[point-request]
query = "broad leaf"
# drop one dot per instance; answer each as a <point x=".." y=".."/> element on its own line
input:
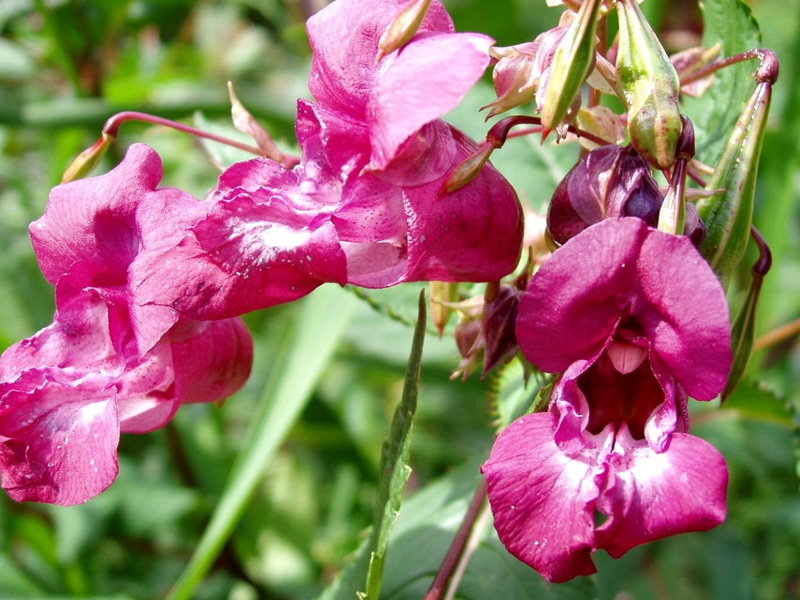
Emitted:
<point x="731" y="23"/>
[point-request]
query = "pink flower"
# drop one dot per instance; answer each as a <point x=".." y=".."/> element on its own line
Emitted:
<point x="107" y="364"/>
<point x="363" y="205"/>
<point x="632" y="319"/>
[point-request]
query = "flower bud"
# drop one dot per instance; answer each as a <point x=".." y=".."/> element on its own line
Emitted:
<point x="672" y="217"/>
<point x="522" y="70"/>
<point x="87" y="160"/>
<point x="443" y="294"/>
<point x="498" y="324"/>
<point x="515" y="79"/>
<point x="470" y="343"/>
<point x="612" y="181"/>
<point x="650" y="87"/>
<point x="467" y="170"/>
<point x="402" y="28"/>
<point x="572" y="62"/>
<point x="743" y="331"/>
<point x="728" y="214"/>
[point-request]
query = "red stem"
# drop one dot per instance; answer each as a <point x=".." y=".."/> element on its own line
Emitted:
<point x="112" y="126"/>
<point x="501" y="130"/>
<point x="767" y="72"/>
<point x="445" y="573"/>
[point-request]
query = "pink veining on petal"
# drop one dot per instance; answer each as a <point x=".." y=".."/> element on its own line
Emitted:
<point x="428" y="78"/>
<point x="344" y="37"/>
<point x="653" y="494"/>
<point x="61" y="438"/>
<point x="542" y="500"/>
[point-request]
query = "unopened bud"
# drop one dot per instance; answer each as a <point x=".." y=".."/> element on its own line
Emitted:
<point x="650" y="87"/>
<point x="572" y="62"/>
<point x="515" y="78"/>
<point x="402" y="28"/>
<point x="467" y="170"/>
<point x="471" y="343"/>
<point x="672" y="217"/>
<point x="87" y="160"/>
<point x="443" y="295"/>
<point x="728" y="214"/>
<point x="611" y="181"/>
<point x="499" y="327"/>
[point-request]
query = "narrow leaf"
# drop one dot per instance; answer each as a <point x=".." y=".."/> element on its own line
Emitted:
<point x="321" y="324"/>
<point x="394" y="462"/>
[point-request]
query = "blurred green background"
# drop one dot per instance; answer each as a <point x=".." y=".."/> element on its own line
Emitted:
<point x="66" y="66"/>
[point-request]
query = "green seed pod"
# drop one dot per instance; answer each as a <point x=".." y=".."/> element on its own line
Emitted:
<point x="743" y="332"/>
<point x="728" y="214"/>
<point x="572" y="62"/>
<point x="650" y="86"/>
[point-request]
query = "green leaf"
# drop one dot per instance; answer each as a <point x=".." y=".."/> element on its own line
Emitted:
<point x="14" y="580"/>
<point x="753" y="400"/>
<point x="394" y="467"/>
<point x="512" y="396"/>
<point x="731" y="23"/>
<point x="322" y="322"/>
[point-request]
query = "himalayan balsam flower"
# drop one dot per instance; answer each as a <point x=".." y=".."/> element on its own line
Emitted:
<point x="633" y="319"/>
<point x="106" y="365"/>
<point x="363" y="205"/>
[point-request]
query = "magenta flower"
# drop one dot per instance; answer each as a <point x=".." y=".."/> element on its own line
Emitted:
<point x="363" y="205"/>
<point x="633" y="319"/>
<point x="107" y="364"/>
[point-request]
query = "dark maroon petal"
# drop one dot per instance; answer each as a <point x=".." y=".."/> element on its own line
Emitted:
<point x="653" y="494"/>
<point x="542" y="500"/>
<point x="574" y="303"/>
<point x="683" y="311"/>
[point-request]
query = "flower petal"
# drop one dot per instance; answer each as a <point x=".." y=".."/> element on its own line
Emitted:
<point x="685" y="314"/>
<point x="653" y="494"/>
<point x="59" y="437"/>
<point x="472" y="234"/>
<point x="344" y="37"/>
<point x="542" y="500"/>
<point x="428" y="78"/>
<point x="213" y="364"/>
<point x="94" y="219"/>
<point x="574" y="302"/>
<point x="628" y="269"/>
<point x="251" y="251"/>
